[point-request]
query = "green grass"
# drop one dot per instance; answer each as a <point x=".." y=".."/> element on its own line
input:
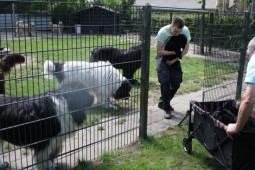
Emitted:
<point x="28" y="79"/>
<point x="79" y="48"/>
<point x="163" y="152"/>
<point x="64" y="49"/>
<point x="100" y="128"/>
<point x="121" y="121"/>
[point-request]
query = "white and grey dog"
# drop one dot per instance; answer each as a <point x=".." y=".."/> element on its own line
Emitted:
<point x="43" y="121"/>
<point x="57" y="28"/>
<point x="25" y="28"/>
<point x="100" y="77"/>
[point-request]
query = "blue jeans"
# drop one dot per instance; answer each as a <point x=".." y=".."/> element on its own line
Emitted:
<point x="170" y="79"/>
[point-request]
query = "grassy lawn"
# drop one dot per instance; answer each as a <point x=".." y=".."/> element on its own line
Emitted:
<point x="162" y="152"/>
<point x="28" y="79"/>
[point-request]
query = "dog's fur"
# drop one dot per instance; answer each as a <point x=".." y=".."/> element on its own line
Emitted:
<point x="100" y="77"/>
<point x="129" y="60"/>
<point x="6" y="64"/>
<point x="57" y="28"/>
<point x="177" y="44"/>
<point x="41" y="122"/>
<point x="229" y="115"/>
<point x="4" y="51"/>
<point x="25" y="28"/>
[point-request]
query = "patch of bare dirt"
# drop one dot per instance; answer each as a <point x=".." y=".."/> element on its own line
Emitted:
<point x="171" y="132"/>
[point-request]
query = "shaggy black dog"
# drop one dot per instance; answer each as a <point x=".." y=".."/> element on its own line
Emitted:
<point x="129" y="60"/>
<point x="226" y="116"/>
<point x="229" y="115"/>
<point x="177" y="44"/>
<point x="6" y="64"/>
<point x="4" y="51"/>
<point x="42" y="122"/>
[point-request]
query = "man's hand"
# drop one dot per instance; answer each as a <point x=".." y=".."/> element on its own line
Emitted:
<point x="231" y="130"/>
<point x="170" y="62"/>
<point x="179" y="53"/>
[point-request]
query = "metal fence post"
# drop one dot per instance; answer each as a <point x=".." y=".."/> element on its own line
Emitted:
<point x="244" y="42"/>
<point x="202" y="36"/>
<point x="210" y="31"/>
<point x="146" y="34"/>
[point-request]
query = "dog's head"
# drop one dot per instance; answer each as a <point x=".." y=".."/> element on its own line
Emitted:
<point x="60" y="23"/>
<point x="78" y="99"/>
<point x="123" y="92"/>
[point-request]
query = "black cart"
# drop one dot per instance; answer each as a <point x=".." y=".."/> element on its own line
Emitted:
<point x="235" y="154"/>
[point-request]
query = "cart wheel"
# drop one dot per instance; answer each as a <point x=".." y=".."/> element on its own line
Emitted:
<point x="187" y="145"/>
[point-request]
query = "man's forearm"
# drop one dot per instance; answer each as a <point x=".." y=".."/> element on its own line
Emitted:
<point x="245" y="110"/>
<point x="164" y="53"/>
<point x="170" y="62"/>
<point x="246" y="106"/>
<point x="186" y="49"/>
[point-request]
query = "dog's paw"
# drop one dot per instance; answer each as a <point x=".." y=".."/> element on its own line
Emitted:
<point x="3" y="164"/>
<point x="52" y="166"/>
<point x="110" y="106"/>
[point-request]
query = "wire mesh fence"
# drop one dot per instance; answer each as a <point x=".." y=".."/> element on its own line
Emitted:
<point x="72" y="67"/>
<point x="225" y="56"/>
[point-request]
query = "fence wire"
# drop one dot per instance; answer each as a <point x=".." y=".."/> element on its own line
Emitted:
<point x="223" y="61"/>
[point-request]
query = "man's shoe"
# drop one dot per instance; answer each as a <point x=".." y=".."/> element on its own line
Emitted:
<point x="168" y="115"/>
<point x="160" y="105"/>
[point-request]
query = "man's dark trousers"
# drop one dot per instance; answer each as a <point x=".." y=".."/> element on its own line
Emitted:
<point x="170" y="78"/>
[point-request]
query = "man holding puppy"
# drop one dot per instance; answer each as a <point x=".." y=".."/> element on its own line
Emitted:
<point x="172" y="44"/>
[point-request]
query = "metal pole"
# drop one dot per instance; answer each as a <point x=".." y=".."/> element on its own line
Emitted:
<point x="223" y="6"/>
<point x="252" y="5"/>
<point x="244" y="42"/>
<point x="210" y="31"/>
<point x="145" y="69"/>
<point x="202" y="34"/>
